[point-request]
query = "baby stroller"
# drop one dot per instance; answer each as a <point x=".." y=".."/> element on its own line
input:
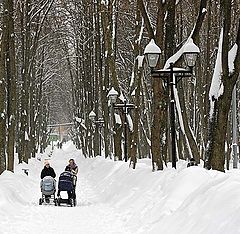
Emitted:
<point x="66" y="183"/>
<point x="48" y="189"/>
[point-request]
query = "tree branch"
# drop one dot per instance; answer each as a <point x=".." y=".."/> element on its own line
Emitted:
<point x="146" y="20"/>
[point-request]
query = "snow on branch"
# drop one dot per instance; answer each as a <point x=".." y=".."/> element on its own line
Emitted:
<point x="130" y="122"/>
<point x="216" y="88"/>
<point x="81" y="122"/>
<point x="216" y="80"/>
<point x="231" y="58"/>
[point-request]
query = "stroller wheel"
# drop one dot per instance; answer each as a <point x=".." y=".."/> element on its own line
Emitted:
<point x="71" y="202"/>
<point x="74" y="202"/>
<point x="47" y="200"/>
<point x="58" y="201"/>
<point x="40" y="201"/>
<point x="55" y="202"/>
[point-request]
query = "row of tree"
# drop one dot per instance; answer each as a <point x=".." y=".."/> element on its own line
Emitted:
<point x="59" y="59"/>
<point x="23" y="100"/>
<point x="119" y="31"/>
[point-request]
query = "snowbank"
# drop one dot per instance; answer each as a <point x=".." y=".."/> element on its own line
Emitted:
<point x="187" y="200"/>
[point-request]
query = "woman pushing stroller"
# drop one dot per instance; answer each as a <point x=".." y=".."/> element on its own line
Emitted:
<point x="73" y="168"/>
<point x="47" y="170"/>
<point x="48" y="183"/>
<point x="67" y="182"/>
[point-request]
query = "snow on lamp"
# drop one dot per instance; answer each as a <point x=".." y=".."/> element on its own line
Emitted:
<point x="190" y="53"/>
<point x="152" y="53"/>
<point x="92" y="115"/>
<point x="112" y="95"/>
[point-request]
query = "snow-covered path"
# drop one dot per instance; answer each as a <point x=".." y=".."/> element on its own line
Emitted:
<point x="115" y="199"/>
<point x="89" y="216"/>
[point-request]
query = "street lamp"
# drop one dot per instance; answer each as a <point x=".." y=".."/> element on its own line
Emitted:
<point x="125" y="107"/>
<point x="190" y="52"/>
<point x="92" y="116"/>
<point x="99" y="123"/>
<point x="152" y="53"/>
<point x="112" y="96"/>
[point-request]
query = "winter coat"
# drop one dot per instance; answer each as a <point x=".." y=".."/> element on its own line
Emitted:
<point x="48" y="172"/>
<point x="73" y="169"/>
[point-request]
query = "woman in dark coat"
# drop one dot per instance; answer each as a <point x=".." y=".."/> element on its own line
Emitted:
<point x="72" y="167"/>
<point x="47" y="170"/>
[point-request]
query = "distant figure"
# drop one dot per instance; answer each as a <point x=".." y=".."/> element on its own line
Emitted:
<point x="192" y="162"/>
<point x="60" y="145"/>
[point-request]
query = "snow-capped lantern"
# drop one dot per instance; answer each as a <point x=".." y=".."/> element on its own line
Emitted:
<point x="152" y="53"/>
<point x="112" y="95"/>
<point x="190" y="53"/>
<point x="92" y="115"/>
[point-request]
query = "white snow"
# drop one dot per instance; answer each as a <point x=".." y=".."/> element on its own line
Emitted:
<point x="115" y="199"/>
<point x="188" y="46"/>
<point x="231" y="58"/>
<point x="121" y="97"/>
<point x="2" y="115"/>
<point x="140" y="59"/>
<point x="179" y="115"/>
<point x="26" y="136"/>
<point x="130" y="122"/>
<point x="216" y="88"/>
<point x="117" y="119"/>
<point x="81" y="121"/>
<point x="132" y="79"/>
<point x="152" y="48"/>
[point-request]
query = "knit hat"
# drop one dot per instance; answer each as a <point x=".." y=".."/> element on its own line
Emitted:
<point x="46" y="162"/>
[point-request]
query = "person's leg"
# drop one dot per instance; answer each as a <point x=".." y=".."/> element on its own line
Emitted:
<point x="47" y="198"/>
<point x="74" y="180"/>
<point x="69" y="194"/>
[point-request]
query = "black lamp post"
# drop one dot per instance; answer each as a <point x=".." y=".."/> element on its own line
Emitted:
<point x="190" y="52"/>
<point x="125" y="108"/>
<point x="99" y="123"/>
<point x="112" y="96"/>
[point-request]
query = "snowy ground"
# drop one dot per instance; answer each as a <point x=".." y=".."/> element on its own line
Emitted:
<point x="113" y="198"/>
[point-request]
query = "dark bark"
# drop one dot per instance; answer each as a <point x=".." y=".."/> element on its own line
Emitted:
<point x="3" y="99"/>
<point x="216" y="151"/>
<point x="11" y="77"/>
<point x="107" y="24"/>
<point x="200" y="19"/>
<point x="146" y="19"/>
<point x="189" y="134"/>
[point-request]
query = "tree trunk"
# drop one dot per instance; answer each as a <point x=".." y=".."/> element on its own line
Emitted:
<point x="189" y="132"/>
<point x="3" y="80"/>
<point x="11" y="87"/>
<point x="222" y="105"/>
